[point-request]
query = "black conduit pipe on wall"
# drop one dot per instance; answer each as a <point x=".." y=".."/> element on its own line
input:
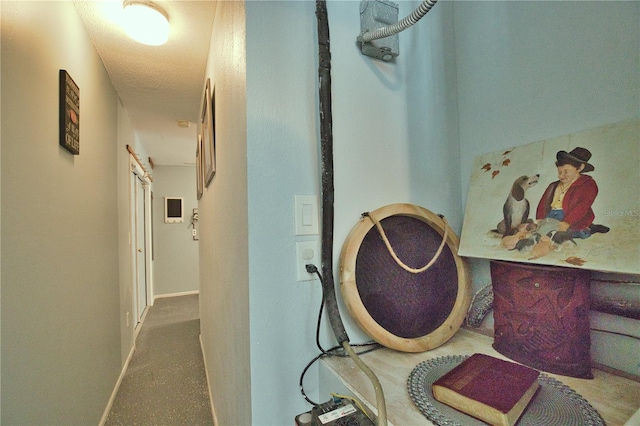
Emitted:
<point x="326" y="151"/>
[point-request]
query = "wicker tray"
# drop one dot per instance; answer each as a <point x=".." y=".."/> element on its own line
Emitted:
<point x="554" y="404"/>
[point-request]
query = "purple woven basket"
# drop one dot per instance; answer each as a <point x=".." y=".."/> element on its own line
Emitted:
<point x="406" y="311"/>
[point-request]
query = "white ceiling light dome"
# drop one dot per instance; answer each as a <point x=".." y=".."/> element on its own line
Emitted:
<point x="146" y="22"/>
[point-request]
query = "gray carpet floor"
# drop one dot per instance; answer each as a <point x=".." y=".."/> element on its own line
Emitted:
<point x="165" y="383"/>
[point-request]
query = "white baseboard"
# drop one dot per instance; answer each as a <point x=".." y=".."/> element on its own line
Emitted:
<point x="138" y="327"/>
<point x="206" y="372"/>
<point x="184" y="293"/>
<point x="634" y="420"/>
<point x="107" y="410"/>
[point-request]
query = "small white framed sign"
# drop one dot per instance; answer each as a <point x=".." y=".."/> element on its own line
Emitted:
<point x="173" y="209"/>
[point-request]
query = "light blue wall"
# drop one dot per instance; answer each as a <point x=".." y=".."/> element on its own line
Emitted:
<point x="395" y="140"/>
<point x="282" y="156"/>
<point x="395" y="125"/>
<point x="471" y="78"/>
<point x="175" y="263"/>
<point x="528" y="71"/>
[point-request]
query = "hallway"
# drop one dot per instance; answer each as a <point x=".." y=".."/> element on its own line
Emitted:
<point x="165" y="383"/>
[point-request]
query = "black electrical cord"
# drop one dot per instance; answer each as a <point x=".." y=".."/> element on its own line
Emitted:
<point x="313" y="269"/>
<point x="334" y="351"/>
<point x="327" y="187"/>
<point x="304" y="395"/>
<point x="327" y="181"/>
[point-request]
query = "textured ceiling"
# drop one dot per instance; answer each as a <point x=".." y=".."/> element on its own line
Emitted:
<point x="158" y="85"/>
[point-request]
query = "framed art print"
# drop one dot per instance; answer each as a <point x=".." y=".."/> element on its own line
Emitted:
<point x="208" y="135"/>
<point x="199" y="176"/>
<point x="522" y="208"/>
<point x="69" y="100"/>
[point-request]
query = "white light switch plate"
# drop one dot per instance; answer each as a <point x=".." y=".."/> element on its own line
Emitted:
<point x="306" y="211"/>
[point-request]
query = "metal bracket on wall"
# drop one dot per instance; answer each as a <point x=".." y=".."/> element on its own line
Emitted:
<point x="376" y="14"/>
<point x="194" y="225"/>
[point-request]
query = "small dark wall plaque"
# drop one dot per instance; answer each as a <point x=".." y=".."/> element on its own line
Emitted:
<point x="69" y="113"/>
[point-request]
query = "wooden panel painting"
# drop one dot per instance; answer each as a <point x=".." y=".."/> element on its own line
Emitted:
<point x="571" y="201"/>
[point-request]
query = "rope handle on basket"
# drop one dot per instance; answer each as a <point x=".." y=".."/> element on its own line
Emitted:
<point x="393" y="253"/>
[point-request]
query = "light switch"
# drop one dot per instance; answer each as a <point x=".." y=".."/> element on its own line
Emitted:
<point x="306" y="211"/>
<point x="307" y="214"/>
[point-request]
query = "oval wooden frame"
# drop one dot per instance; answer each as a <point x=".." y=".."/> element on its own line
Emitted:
<point x="354" y="303"/>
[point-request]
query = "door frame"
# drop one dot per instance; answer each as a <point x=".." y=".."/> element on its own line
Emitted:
<point x="137" y="172"/>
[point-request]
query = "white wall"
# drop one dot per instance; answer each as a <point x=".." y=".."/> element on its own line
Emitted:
<point x="175" y="251"/>
<point x="61" y="349"/>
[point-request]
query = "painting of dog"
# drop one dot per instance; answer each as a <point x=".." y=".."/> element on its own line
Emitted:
<point x="515" y="210"/>
<point x="530" y="204"/>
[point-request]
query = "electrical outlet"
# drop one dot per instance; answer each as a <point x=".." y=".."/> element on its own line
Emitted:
<point x="307" y="252"/>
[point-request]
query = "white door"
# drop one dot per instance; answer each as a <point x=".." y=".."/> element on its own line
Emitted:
<point x="140" y="248"/>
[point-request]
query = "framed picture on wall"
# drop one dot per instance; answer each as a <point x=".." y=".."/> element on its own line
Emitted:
<point x="569" y="201"/>
<point x="199" y="174"/>
<point x="69" y="113"/>
<point x="208" y="135"/>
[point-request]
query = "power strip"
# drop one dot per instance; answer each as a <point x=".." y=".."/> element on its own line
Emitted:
<point x="335" y="412"/>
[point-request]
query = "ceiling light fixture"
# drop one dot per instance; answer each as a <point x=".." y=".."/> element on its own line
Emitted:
<point x="145" y="22"/>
